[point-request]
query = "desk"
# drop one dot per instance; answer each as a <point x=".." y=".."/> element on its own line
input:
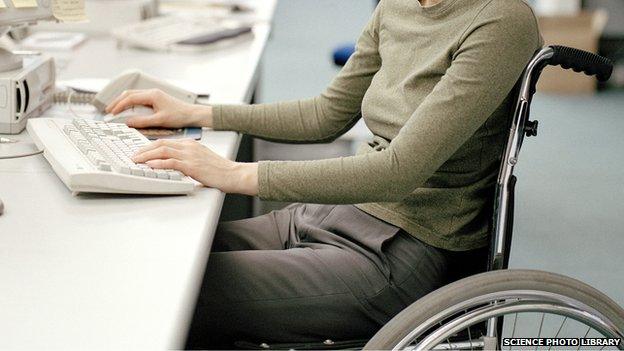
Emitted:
<point x="115" y="272"/>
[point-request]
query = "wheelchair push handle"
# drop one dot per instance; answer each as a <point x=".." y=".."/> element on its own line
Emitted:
<point x="582" y="61"/>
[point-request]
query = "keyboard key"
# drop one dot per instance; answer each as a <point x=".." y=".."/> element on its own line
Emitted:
<point x="136" y="171"/>
<point x="150" y="173"/>
<point x="174" y="175"/>
<point x="161" y="174"/>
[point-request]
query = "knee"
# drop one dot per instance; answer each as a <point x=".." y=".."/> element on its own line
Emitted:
<point x="225" y="237"/>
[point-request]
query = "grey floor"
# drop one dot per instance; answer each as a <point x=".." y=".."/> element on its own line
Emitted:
<point x="570" y="201"/>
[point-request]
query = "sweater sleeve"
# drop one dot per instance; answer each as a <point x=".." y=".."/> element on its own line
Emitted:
<point x="319" y="119"/>
<point x="488" y="61"/>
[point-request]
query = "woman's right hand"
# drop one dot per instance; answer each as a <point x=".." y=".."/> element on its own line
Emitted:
<point x="169" y="112"/>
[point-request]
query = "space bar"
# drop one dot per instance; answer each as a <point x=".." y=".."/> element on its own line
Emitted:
<point x="215" y="36"/>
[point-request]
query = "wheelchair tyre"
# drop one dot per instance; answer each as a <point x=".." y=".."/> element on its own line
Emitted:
<point x="429" y="313"/>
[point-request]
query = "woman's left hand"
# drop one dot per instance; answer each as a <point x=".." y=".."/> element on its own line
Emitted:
<point x="202" y="164"/>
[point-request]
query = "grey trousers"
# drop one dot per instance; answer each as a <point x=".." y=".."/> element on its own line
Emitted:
<point x="308" y="273"/>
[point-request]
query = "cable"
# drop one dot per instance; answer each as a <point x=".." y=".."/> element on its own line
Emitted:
<point x="21" y="155"/>
<point x="69" y="103"/>
<point x="32" y="146"/>
<point x="71" y="96"/>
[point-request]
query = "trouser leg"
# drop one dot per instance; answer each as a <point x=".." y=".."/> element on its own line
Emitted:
<point x="284" y="277"/>
<point x="266" y="232"/>
<point x="278" y="295"/>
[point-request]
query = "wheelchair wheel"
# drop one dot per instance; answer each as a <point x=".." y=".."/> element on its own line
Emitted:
<point x="529" y="304"/>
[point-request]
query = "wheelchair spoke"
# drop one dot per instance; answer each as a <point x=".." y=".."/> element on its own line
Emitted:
<point x="470" y="339"/>
<point x="584" y="336"/>
<point x="513" y="328"/>
<point x="539" y="332"/>
<point x="559" y="331"/>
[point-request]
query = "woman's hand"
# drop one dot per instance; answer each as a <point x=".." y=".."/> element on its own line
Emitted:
<point x="169" y="112"/>
<point x="201" y="164"/>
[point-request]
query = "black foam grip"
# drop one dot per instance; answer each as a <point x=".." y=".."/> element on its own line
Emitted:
<point x="582" y="61"/>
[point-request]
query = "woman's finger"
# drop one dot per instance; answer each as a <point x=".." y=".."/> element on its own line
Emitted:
<point x="170" y="163"/>
<point x="161" y="152"/>
<point x="174" y="144"/>
<point x="115" y="101"/>
<point x="153" y="120"/>
<point x="139" y="98"/>
<point x="119" y="97"/>
<point x="151" y="146"/>
<point x="128" y="100"/>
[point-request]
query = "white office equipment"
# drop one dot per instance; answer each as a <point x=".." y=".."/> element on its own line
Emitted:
<point x="53" y="41"/>
<point x="16" y="14"/>
<point x="25" y="92"/>
<point x="94" y="156"/>
<point x="182" y="33"/>
<point x="26" y="84"/>
<point x="135" y="80"/>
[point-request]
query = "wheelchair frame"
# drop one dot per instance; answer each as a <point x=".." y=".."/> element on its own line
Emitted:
<point x="505" y="186"/>
<point x="521" y="126"/>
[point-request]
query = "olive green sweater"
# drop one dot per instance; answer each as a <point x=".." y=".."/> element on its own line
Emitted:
<point x="433" y="85"/>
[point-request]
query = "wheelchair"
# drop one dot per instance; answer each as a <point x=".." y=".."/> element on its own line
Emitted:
<point x="480" y="311"/>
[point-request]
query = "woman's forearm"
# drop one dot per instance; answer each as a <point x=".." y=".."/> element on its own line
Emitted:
<point x="299" y="121"/>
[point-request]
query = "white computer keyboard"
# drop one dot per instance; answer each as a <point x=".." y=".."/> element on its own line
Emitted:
<point x="178" y="33"/>
<point x="94" y="156"/>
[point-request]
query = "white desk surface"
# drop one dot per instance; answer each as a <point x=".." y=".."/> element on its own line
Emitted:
<point x="104" y="271"/>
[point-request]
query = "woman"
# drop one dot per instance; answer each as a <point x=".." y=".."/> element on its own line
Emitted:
<point x="432" y="80"/>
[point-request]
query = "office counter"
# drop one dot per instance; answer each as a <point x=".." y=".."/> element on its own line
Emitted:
<point x="114" y="271"/>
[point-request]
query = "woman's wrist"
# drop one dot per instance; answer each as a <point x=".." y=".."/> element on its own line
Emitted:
<point x="246" y="176"/>
<point x="201" y="116"/>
